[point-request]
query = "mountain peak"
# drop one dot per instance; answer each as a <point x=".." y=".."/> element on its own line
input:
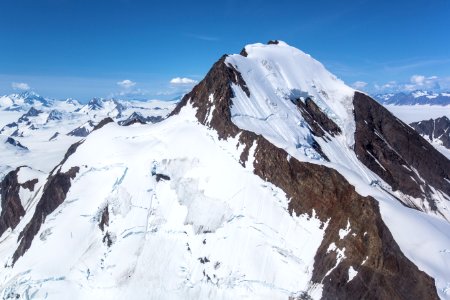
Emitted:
<point x="280" y="72"/>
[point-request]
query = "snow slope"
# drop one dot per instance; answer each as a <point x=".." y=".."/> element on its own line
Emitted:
<point x="274" y="74"/>
<point x="277" y="74"/>
<point x="214" y="230"/>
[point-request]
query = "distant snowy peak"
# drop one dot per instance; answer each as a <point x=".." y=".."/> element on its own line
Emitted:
<point x="137" y="117"/>
<point x="107" y="106"/>
<point x="83" y="130"/>
<point x="415" y="97"/>
<point x="13" y="142"/>
<point x="72" y="102"/>
<point x="436" y="131"/>
<point x="23" y="101"/>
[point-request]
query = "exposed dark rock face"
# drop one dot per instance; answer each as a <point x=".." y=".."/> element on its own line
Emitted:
<point x="32" y="112"/>
<point x="83" y="130"/>
<point x="139" y="118"/>
<point x="72" y="149"/>
<point x="12" y="209"/>
<point x="104" y="220"/>
<point x="15" y="143"/>
<point x="17" y="133"/>
<point x="30" y="184"/>
<point x="103" y="123"/>
<point x="437" y="129"/>
<point x="397" y="149"/>
<point x="53" y="137"/>
<point x="95" y="104"/>
<point x="160" y="177"/>
<point x="54" y="115"/>
<point x="54" y="193"/>
<point x="107" y="239"/>
<point x="317" y="120"/>
<point x="217" y="82"/>
<point x="243" y="52"/>
<point x="273" y="42"/>
<point x="387" y="273"/>
<point x="9" y="125"/>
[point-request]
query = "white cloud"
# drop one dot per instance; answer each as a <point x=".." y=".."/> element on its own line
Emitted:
<point x="416" y="82"/>
<point x="359" y="85"/>
<point x="387" y="87"/>
<point x="423" y="82"/>
<point x="417" y="79"/>
<point x="390" y="85"/>
<point x="183" y="81"/>
<point x="20" y="86"/>
<point x="126" y="83"/>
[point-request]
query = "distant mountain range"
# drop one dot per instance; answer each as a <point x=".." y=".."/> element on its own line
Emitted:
<point x="415" y="97"/>
<point x="33" y="126"/>
<point x="436" y="131"/>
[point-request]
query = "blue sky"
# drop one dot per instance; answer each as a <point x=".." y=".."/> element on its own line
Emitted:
<point x="87" y="48"/>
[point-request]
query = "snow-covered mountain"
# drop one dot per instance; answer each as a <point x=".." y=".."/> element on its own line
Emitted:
<point x="24" y="101"/>
<point x="415" y="97"/>
<point x="436" y="131"/>
<point x="271" y="179"/>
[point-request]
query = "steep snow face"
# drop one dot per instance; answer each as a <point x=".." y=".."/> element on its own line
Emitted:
<point x="275" y="75"/>
<point x="184" y="223"/>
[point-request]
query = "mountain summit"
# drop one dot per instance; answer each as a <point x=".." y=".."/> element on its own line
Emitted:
<point x="270" y="179"/>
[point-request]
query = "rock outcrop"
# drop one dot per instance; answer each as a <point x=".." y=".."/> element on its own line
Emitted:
<point x="435" y="130"/>
<point x="383" y="270"/>
<point x="54" y="193"/>
<point x="397" y="153"/>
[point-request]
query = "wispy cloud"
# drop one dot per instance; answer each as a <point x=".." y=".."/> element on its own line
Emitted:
<point x="20" y="86"/>
<point x="359" y="85"/>
<point x="133" y="94"/>
<point x="202" y="37"/>
<point x="416" y="82"/>
<point x="398" y="66"/>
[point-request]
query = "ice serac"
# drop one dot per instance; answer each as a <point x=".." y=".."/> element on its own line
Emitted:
<point x="400" y="156"/>
<point x="265" y="114"/>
